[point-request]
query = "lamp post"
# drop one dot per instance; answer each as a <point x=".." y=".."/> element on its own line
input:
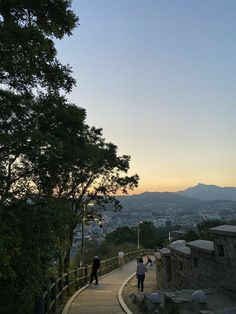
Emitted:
<point x="85" y="205"/>
<point x="88" y="217"/>
<point x="138" y="232"/>
<point x="82" y="237"/>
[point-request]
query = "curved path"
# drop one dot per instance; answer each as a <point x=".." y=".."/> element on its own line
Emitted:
<point x="104" y="297"/>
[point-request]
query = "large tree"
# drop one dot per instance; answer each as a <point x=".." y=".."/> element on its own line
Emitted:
<point x="31" y="250"/>
<point x="31" y="77"/>
<point x="91" y="171"/>
<point x="30" y="73"/>
<point x="48" y="155"/>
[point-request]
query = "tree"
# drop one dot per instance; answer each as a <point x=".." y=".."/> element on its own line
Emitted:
<point x="27" y="51"/>
<point x="203" y="227"/>
<point x="63" y="158"/>
<point x="122" y="235"/>
<point x="31" y="249"/>
<point x="95" y="176"/>
<point x="29" y="68"/>
<point x="104" y="250"/>
<point x="29" y="74"/>
<point x="148" y="235"/>
<point x="48" y="155"/>
<point x="191" y="235"/>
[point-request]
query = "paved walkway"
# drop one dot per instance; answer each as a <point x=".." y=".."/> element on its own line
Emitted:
<point x="103" y="298"/>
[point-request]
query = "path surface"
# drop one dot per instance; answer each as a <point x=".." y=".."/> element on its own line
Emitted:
<point x="103" y="298"/>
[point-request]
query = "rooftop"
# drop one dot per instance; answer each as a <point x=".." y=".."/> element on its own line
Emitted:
<point x="203" y="245"/>
<point x="180" y="247"/>
<point x="224" y="229"/>
<point x="164" y="251"/>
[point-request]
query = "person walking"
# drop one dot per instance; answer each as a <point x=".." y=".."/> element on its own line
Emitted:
<point x="149" y="262"/>
<point x="140" y="273"/>
<point x="121" y="258"/>
<point x="95" y="267"/>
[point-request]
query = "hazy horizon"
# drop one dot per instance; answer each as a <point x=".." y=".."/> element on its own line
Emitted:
<point x="177" y="189"/>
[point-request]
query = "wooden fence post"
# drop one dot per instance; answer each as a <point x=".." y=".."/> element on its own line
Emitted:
<point x="76" y="278"/>
<point x="48" y="301"/>
<point x="86" y="274"/>
<point x="60" y="283"/>
<point x="68" y="283"/>
<point x="55" y="298"/>
<point x="39" y="305"/>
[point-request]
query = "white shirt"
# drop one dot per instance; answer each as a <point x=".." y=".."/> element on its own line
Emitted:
<point x="121" y="254"/>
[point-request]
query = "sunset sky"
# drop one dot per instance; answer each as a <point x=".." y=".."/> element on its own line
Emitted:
<point x="159" y="76"/>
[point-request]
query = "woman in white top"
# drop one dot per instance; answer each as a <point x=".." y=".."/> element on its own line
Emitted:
<point x="140" y="273"/>
<point x="121" y="258"/>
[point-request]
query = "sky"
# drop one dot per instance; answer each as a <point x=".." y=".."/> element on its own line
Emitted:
<point x="159" y="76"/>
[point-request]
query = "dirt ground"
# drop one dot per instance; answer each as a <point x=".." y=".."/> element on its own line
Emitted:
<point x="149" y="286"/>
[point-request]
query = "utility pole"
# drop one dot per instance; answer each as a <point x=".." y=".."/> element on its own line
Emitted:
<point x="138" y="231"/>
<point x="82" y="237"/>
<point x="85" y="206"/>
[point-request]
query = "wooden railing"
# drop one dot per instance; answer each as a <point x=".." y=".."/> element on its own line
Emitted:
<point x="76" y="278"/>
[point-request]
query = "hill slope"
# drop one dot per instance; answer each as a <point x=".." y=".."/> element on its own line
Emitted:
<point x="210" y="192"/>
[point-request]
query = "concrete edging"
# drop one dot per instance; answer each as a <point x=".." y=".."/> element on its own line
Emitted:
<point x="68" y="303"/>
<point x="120" y="298"/>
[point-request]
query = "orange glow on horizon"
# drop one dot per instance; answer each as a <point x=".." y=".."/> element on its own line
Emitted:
<point x="173" y="188"/>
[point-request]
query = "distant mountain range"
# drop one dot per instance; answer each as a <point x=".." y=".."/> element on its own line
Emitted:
<point x="157" y="197"/>
<point x="210" y="192"/>
<point x="191" y="199"/>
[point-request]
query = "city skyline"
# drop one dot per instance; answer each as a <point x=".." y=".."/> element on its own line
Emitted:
<point x="158" y="77"/>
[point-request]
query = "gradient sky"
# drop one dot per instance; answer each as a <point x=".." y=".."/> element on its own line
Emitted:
<point x="159" y="76"/>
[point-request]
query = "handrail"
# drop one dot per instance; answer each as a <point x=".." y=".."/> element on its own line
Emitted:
<point x="78" y="277"/>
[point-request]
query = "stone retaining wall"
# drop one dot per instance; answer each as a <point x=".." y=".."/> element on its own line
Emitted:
<point x="200" y="264"/>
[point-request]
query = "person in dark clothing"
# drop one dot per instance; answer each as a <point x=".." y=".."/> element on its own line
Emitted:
<point x="149" y="262"/>
<point x="140" y="273"/>
<point x="95" y="267"/>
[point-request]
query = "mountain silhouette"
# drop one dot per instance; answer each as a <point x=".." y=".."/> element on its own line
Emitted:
<point x="210" y="192"/>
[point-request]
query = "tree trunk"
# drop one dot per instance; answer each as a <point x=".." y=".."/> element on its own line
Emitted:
<point x="67" y="260"/>
<point x="61" y="264"/>
<point x="67" y="253"/>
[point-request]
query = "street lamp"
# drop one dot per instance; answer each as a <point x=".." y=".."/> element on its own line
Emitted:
<point x="82" y="238"/>
<point x="88" y="218"/>
<point x="85" y="205"/>
<point x="138" y="231"/>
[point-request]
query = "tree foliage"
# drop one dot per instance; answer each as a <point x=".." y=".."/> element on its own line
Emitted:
<point x="121" y="235"/>
<point x="27" y="51"/>
<point x="150" y="237"/>
<point x="204" y="226"/>
<point x="31" y="251"/>
<point x="191" y="235"/>
<point x="51" y="162"/>
<point x="103" y="250"/>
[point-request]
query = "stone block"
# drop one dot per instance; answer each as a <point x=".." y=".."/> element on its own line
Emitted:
<point x="151" y="306"/>
<point x="147" y="295"/>
<point x="168" y="296"/>
<point x="155" y="298"/>
<point x="199" y="296"/>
